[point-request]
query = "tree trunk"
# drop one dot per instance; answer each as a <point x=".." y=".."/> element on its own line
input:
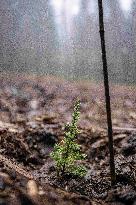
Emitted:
<point x="107" y="95"/>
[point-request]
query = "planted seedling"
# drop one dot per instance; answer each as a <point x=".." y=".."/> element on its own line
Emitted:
<point x="67" y="153"/>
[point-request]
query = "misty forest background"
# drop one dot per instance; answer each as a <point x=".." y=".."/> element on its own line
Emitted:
<point x="61" y="38"/>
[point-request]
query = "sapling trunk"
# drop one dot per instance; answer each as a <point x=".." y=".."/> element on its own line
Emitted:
<point x="107" y="95"/>
<point x="65" y="157"/>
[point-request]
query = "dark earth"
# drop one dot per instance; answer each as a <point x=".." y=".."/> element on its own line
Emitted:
<point x="33" y="113"/>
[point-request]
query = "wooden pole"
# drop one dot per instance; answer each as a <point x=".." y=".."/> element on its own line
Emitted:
<point x="107" y="95"/>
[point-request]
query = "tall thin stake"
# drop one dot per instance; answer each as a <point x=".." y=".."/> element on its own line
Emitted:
<point x="107" y="95"/>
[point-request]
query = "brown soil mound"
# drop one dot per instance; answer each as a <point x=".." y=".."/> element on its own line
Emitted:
<point x="33" y="113"/>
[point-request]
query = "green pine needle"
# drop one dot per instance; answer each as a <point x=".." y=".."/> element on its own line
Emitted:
<point x="67" y="153"/>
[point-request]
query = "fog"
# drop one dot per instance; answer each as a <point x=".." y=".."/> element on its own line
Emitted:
<point x="61" y="37"/>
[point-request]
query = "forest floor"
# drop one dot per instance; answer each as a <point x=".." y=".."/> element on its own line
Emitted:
<point x="33" y="112"/>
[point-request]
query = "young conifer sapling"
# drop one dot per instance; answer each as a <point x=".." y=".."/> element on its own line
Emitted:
<point x="67" y="153"/>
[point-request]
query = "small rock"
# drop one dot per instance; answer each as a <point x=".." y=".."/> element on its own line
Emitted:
<point x="41" y="192"/>
<point x="32" y="189"/>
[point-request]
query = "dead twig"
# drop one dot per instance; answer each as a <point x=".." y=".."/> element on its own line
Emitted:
<point x="124" y="129"/>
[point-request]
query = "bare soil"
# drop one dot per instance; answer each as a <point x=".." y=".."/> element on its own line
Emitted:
<point x="33" y="113"/>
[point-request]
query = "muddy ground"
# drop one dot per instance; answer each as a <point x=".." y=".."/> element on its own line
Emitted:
<point x="33" y="113"/>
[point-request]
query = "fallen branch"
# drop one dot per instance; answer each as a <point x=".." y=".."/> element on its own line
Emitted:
<point x="128" y="129"/>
